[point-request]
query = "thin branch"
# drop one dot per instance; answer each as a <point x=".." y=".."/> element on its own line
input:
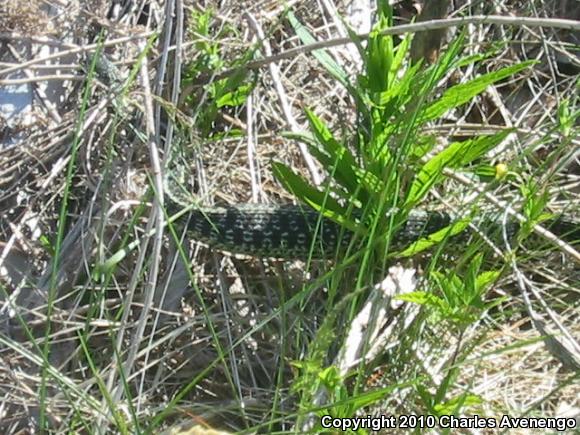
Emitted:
<point x="446" y="23"/>
<point x="74" y="50"/>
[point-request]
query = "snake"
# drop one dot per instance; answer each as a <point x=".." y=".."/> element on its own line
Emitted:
<point x="288" y="231"/>
<point x="298" y="231"/>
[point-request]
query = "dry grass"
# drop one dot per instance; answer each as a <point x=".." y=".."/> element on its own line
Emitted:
<point x="26" y="18"/>
<point x="226" y="332"/>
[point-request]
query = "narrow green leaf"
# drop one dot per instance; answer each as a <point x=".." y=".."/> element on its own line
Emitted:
<point x="339" y="157"/>
<point x="380" y="52"/>
<point x="485" y="172"/>
<point x="434" y="73"/>
<point x="455" y="155"/>
<point x="301" y="188"/>
<point x="309" y="195"/>
<point x="379" y="62"/>
<point x="470" y="294"/>
<point x="430" y="174"/>
<point x="323" y="57"/>
<point x="400" y="92"/>
<point x="400" y="54"/>
<point x="435" y="238"/>
<point x="462" y="93"/>
<point x="475" y="148"/>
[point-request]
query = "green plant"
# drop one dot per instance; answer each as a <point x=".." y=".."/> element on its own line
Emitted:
<point x="228" y="92"/>
<point x="383" y="170"/>
<point x="460" y="298"/>
<point x="390" y="163"/>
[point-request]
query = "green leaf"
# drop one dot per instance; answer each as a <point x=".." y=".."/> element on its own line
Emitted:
<point x="462" y="93"/>
<point x="457" y="154"/>
<point x="475" y="148"/>
<point x="379" y="63"/>
<point x="330" y="377"/>
<point x="380" y="52"/>
<point x="434" y="73"/>
<point x="323" y="57"/>
<point x="319" y="201"/>
<point x="535" y="203"/>
<point x="485" y="279"/>
<point x="422" y="298"/>
<point x="338" y="160"/>
<point x="300" y="188"/>
<point x="471" y="295"/>
<point x="234" y="98"/>
<point x="426" y="397"/>
<point x="485" y="172"/>
<point x="370" y="181"/>
<point x="565" y="118"/>
<point x="435" y="238"/>
<point x="321" y="154"/>
<point x="455" y="405"/>
<point x="400" y="54"/>
<point x="47" y="245"/>
<point x="202" y="21"/>
<point x="430" y="174"/>
<point x="400" y="92"/>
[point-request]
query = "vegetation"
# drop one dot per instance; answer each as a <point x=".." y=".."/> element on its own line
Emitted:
<point x="124" y="325"/>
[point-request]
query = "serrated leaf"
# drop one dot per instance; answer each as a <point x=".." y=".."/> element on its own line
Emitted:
<point x="422" y="298"/>
<point x="485" y="279"/>
<point x="235" y="98"/>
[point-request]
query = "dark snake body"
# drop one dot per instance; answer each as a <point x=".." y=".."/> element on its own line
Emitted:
<point x="291" y="231"/>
